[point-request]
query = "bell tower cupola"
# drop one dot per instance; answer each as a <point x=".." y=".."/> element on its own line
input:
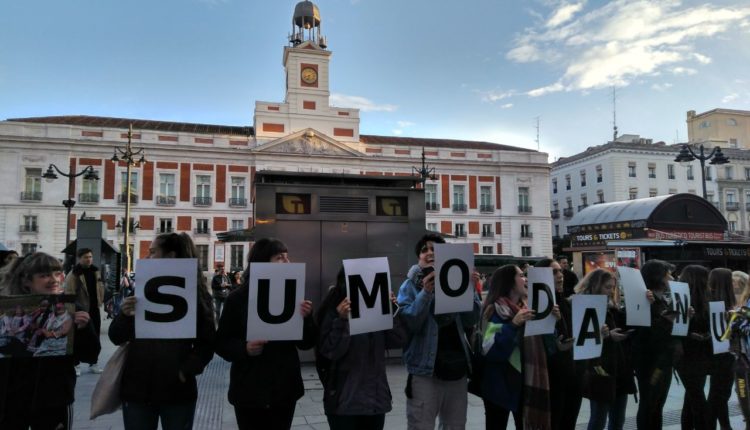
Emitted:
<point x="306" y="25"/>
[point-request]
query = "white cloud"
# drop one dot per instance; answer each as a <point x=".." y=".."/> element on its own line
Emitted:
<point x="361" y="103"/>
<point x="495" y="95"/>
<point x="507" y="106"/>
<point x="661" y="87"/>
<point x="729" y="98"/>
<point x="622" y="41"/>
<point x="404" y="124"/>
<point x="564" y="14"/>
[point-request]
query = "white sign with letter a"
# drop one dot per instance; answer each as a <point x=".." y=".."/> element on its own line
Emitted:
<point x="368" y="287"/>
<point x="275" y="294"/>
<point x="541" y="283"/>
<point x="166" y="298"/>
<point x="589" y="315"/>
<point x="454" y="264"/>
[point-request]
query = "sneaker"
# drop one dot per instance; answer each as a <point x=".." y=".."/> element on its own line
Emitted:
<point x="78" y="370"/>
<point x="94" y="368"/>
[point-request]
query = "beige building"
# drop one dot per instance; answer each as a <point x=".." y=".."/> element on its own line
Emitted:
<point x="727" y="128"/>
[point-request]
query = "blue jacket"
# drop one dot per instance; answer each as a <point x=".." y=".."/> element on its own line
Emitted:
<point x="502" y="380"/>
<point x="417" y="311"/>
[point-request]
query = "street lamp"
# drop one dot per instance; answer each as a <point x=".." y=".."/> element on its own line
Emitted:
<point x="425" y="172"/>
<point x="130" y="158"/>
<point x="687" y="155"/>
<point x="50" y="175"/>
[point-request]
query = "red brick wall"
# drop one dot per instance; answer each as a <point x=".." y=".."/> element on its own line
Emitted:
<point x="184" y="223"/>
<point x="110" y="221"/>
<point x="185" y="183"/>
<point x="498" y="228"/>
<point x="146" y="222"/>
<point x="445" y="185"/>
<point x="148" y="182"/>
<point x="220" y="223"/>
<point x="497" y="192"/>
<point x="472" y="192"/>
<point x="473" y="227"/>
<point x="221" y="183"/>
<point x="143" y="248"/>
<point x="446" y="227"/>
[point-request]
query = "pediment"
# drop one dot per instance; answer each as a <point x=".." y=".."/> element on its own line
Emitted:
<point x="308" y="142"/>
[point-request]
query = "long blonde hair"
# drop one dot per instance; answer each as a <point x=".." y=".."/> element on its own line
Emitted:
<point x="594" y="282"/>
<point x="743" y="281"/>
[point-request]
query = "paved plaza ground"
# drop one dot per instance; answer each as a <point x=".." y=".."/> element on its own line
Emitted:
<point x="214" y="411"/>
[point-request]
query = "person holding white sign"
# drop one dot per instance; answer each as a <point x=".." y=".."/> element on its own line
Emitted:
<point x="158" y="376"/>
<point x="720" y="389"/>
<point x="437" y="355"/>
<point x="352" y="367"/>
<point x="695" y="362"/>
<point x="654" y="346"/>
<point x="601" y="386"/>
<point x="265" y="381"/>
<point x="34" y="393"/>
<point x="504" y="315"/>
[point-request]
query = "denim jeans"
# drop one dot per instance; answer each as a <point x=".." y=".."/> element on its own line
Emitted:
<point x="141" y="416"/>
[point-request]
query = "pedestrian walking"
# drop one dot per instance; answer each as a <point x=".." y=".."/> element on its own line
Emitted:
<point x="220" y="288"/>
<point x="722" y="376"/>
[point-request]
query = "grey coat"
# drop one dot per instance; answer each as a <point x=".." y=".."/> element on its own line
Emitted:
<point x="359" y="383"/>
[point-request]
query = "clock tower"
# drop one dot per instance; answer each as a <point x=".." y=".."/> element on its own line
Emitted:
<point x="306" y="102"/>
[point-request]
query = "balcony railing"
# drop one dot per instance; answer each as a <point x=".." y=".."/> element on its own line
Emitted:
<point x="31" y="196"/>
<point x="555" y="214"/>
<point x="488" y="234"/>
<point x="732" y="206"/>
<point x="747" y="206"/>
<point x="166" y="200"/>
<point x="432" y="206"/>
<point x="28" y="228"/>
<point x="528" y="235"/>
<point x="460" y="233"/>
<point x="522" y="209"/>
<point x="568" y="212"/>
<point x="123" y="197"/>
<point x="652" y="175"/>
<point x="202" y="231"/>
<point x="459" y="207"/>
<point x="202" y="201"/>
<point x="582" y="207"/>
<point x="88" y="198"/>
<point x="486" y="208"/>
<point x="237" y="202"/>
<point x="164" y="230"/>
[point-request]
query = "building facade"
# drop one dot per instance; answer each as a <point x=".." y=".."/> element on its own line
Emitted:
<point x="728" y="128"/>
<point x="628" y="168"/>
<point x="199" y="178"/>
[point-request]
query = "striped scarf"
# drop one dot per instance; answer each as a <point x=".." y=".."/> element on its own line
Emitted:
<point x="536" y="397"/>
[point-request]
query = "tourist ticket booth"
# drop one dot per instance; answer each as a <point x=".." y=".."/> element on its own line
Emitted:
<point x="680" y="228"/>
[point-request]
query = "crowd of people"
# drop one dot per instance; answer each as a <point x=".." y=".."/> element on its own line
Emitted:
<point x="534" y="379"/>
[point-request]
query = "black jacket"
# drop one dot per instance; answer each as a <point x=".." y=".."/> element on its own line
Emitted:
<point x="272" y="378"/>
<point x="33" y="384"/>
<point x="152" y="366"/>
<point x="359" y="384"/>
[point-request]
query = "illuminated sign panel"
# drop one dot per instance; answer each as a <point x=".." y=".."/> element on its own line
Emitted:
<point x="293" y="204"/>
<point x="392" y="206"/>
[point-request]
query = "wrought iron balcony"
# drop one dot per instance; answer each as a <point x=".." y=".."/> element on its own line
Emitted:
<point x="732" y="206"/>
<point x="164" y="230"/>
<point x="202" y="201"/>
<point x="123" y="197"/>
<point x="459" y="207"/>
<point x="486" y="208"/>
<point x="488" y="234"/>
<point x="522" y="209"/>
<point x="31" y="196"/>
<point x="527" y="235"/>
<point x="166" y="200"/>
<point x="568" y="212"/>
<point x="432" y="206"/>
<point x="202" y="231"/>
<point x="555" y="214"/>
<point x="28" y="228"/>
<point x="460" y="233"/>
<point x="237" y="202"/>
<point x="88" y="198"/>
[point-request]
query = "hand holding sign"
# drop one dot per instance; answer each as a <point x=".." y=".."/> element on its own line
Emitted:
<point x="589" y="313"/>
<point x="452" y="287"/>
<point x="637" y="301"/>
<point x="541" y="301"/>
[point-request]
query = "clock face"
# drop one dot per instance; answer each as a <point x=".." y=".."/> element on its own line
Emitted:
<point x="309" y="75"/>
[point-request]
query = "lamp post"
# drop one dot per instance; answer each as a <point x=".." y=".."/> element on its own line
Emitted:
<point x="129" y="157"/>
<point x="50" y="175"/>
<point x="687" y="155"/>
<point x="425" y="172"/>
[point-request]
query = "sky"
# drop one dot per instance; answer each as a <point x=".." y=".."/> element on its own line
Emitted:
<point x="489" y="70"/>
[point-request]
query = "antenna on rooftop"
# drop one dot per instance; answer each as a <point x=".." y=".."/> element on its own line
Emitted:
<point x="614" y="112"/>
<point x="537" y="132"/>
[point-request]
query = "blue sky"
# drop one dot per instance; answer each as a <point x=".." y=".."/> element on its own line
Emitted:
<point x="476" y="69"/>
